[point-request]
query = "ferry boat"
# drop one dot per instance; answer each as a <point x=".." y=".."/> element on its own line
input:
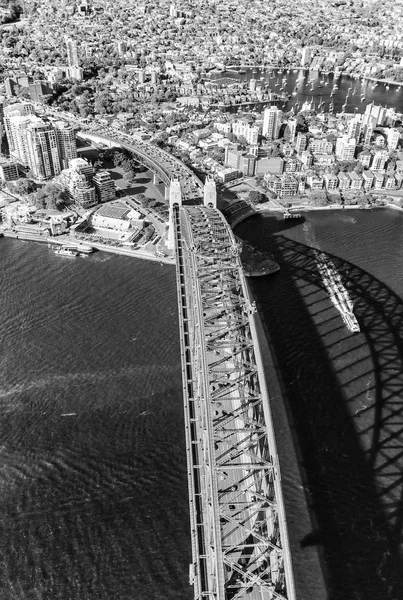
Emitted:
<point x="66" y="252"/>
<point x="338" y="294"/>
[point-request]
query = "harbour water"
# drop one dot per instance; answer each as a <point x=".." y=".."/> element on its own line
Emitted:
<point x="94" y="499"/>
<point x="93" y="478"/>
<point x="341" y="396"/>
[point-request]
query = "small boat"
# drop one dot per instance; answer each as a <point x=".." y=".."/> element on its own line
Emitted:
<point x="287" y="214"/>
<point x="242" y="71"/>
<point x="387" y="87"/>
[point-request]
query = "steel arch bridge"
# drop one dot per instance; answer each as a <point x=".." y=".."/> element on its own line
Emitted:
<point x="240" y="545"/>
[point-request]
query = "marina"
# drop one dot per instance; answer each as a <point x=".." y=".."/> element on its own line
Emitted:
<point x="330" y="89"/>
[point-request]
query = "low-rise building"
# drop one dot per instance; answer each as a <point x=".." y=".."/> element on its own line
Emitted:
<point x="289" y="185"/>
<point x="344" y="181"/>
<point x="365" y="158"/>
<point x="390" y="182"/>
<point x="8" y="171"/>
<point x="314" y="181"/>
<point x="331" y="181"/>
<point x="306" y="158"/>
<point x="356" y="180"/>
<point x="368" y="179"/>
<point x="228" y="174"/>
<point x="104" y="186"/>
<point x="379" y="180"/>
<point x="116" y="217"/>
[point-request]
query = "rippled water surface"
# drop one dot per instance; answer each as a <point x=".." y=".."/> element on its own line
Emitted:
<point x="93" y="470"/>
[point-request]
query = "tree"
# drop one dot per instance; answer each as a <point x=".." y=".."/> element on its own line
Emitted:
<point x="256" y="197"/>
<point x="51" y="197"/>
<point x="24" y="186"/>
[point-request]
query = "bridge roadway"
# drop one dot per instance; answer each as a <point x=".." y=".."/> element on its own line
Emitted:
<point x="166" y="166"/>
<point x="239" y="536"/>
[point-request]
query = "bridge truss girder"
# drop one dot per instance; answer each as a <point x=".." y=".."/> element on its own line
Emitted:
<point x="239" y="536"/>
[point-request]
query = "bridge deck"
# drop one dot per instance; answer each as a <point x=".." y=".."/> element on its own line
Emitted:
<point x="239" y="535"/>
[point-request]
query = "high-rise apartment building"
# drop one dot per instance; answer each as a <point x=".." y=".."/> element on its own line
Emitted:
<point x="243" y="129"/>
<point x="271" y="122"/>
<point x="354" y="128"/>
<point x="42" y="150"/>
<point x="16" y="127"/>
<point x="374" y="112"/>
<point x="369" y="130"/>
<point x="66" y="141"/>
<point x="33" y="143"/>
<point x="292" y="126"/>
<point x="300" y="143"/>
<point x="72" y="52"/>
<point x="20" y="109"/>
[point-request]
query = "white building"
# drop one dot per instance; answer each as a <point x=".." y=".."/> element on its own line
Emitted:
<point x="243" y="129"/>
<point x="272" y="122"/>
<point x="393" y="136"/>
<point x="345" y="148"/>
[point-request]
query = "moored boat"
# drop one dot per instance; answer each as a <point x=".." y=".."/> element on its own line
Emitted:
<point x="66" y="252"/>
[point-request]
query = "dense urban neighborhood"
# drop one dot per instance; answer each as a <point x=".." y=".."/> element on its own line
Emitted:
<point x="168" y="75"/>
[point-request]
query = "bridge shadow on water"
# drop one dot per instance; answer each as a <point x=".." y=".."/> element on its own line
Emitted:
<point x="343" y="393"/>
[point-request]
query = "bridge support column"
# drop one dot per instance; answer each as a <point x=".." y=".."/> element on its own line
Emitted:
<point x="175" y="199"/>
<point x="156" y="179"/>
<point x="166" y="193"/>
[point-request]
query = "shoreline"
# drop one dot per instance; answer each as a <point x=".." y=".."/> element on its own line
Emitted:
<point x="342" y="207"/>
<point x="295" y="68"/>
<point x="137" y="253"/>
